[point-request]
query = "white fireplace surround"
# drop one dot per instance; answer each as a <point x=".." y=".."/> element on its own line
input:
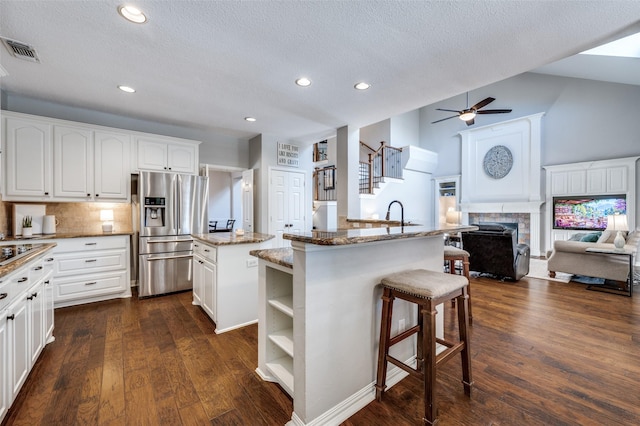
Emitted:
<point x="517" y="192"/>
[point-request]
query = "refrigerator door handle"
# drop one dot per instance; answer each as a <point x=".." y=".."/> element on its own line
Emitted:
<point x="178" y="198"/>
<point x="169" y="241"/>
<point x="170" y="257"/>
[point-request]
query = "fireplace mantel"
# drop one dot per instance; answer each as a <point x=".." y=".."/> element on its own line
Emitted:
<point x="532" y="207"/>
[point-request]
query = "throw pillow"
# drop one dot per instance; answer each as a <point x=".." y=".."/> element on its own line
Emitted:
<point x="591" y="238"/>
<point x="577" y="237"/>
<point x="604" y="238"/>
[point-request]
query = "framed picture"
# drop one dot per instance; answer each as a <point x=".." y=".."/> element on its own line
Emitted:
<point x="330" y="178"/>
<point x="320" y="151"/>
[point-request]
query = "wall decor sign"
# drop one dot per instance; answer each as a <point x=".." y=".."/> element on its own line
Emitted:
<point x="288" y="155"/>
<point x="498" y="161"/>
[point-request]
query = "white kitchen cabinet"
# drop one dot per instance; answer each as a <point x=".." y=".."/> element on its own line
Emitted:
<point x="4" y="362"/>
<point x="18" y="338"/>
<point x="204" y="278"/>
<point x="72" y="162"/>
<point x="165" y="154"/>
<point x="111" y="166"/>
<point x="28" y="157"/>
<point x="22" y="327"/>
<point x="56" y="160"/>
<point x="226" y="281"/>
<point x="90" y="269"/>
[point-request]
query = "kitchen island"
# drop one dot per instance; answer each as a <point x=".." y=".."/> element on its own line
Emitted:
<point x="225" y="277"/>
<point x="319" y="314"/>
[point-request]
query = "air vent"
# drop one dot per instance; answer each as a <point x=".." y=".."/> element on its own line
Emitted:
<point x="21" y="50"/>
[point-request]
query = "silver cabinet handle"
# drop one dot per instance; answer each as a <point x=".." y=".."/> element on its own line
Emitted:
<point x="169" y="241"/>
<point x="171" y="257"/>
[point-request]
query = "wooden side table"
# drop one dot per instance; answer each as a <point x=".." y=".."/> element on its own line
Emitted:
<point x="609" y="289"/>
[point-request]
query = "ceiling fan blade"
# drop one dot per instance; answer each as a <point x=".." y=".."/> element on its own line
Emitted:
<point x="483" y="103"/>
<point x="493" y="111"/>
<point x="449" y="110"/>
<point x="437" y="121"/>
<point x="470" y="122"/>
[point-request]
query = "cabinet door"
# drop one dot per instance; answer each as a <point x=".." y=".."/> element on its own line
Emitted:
<point x="35" y="321"/>
<point x="28" y="156"/>
<point x="209" y="279"/>
<point x="111" y="158"/>
<point x="73" y="162"/>
<point x="18" y="341"/>
<point x="48" y="310"/>
<point x="152" y="155"/>
<point x="4" y="365"/>
<point x="198" y="266"/>
<point x="182" y="158"/>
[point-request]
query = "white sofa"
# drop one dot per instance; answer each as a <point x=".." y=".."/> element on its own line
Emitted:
<point x="571" y="257"/>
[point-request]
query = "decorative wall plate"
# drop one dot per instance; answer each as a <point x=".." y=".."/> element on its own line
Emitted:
<point x="498" y="161"/>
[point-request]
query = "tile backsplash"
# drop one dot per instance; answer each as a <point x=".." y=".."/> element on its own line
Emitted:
<point x="74" y="217"/>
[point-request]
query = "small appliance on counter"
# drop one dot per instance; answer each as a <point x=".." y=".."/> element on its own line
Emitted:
<point x="49" y="223"/>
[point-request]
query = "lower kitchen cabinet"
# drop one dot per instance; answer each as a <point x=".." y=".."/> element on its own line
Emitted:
<point x="24" y="327"/>
<point x="90" y="269"/>
<point x="225" y="282"/>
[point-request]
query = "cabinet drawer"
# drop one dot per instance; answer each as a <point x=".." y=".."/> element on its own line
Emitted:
<point x="85" y="244"/>
<point x="90" y="262"/>
<point x="83" y="287"/>
<point x="206" y="252"/>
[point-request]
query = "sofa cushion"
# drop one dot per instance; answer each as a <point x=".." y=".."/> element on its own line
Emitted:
<point x="591" y="238"/>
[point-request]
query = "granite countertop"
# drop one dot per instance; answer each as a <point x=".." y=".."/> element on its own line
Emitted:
<point x="279" y="256"/>
<point x="229" y="238"/>
<point x="66" y="235"/>
<point x="37" y="250"/>
<point x="368" y="235"/>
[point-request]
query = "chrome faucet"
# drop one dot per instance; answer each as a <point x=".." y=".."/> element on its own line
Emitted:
<point x="401" y="212"/>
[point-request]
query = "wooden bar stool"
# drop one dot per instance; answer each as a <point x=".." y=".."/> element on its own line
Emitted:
<point x="427" y="289"/>
<point x="451" y="255"/>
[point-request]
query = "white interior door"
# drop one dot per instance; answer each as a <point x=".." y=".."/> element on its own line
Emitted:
<point x="286" y="204"/>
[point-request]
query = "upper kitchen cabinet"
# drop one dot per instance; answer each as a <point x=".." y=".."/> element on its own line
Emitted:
<point x="28" y="159"/>
<point x="167" y="154"/>
<point x="56" y="160"/>
<point x="72" y="162"/>
<point x="111" y="160"/>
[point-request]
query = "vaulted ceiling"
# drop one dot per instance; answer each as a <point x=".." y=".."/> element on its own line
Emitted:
<point x="210" y="64"/>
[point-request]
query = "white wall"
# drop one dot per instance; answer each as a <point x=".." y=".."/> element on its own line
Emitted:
<point x="585" y="120"/>
<point x="219" y="195"/>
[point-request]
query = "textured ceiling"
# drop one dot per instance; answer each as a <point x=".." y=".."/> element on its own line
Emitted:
<point x="208" y="64"/>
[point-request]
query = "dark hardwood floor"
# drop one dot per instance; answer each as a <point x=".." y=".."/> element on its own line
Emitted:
<point x="543" y="353"/>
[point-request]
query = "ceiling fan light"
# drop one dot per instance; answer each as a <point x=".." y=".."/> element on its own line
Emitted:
<point x="467" y="115"/>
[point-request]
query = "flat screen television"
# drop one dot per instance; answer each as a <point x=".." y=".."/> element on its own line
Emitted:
<point x="586" y="212"/>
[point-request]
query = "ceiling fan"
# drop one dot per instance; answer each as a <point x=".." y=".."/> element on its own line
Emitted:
<point x="468" y="115"/>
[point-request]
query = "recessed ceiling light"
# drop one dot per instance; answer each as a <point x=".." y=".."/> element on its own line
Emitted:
<point x="362" y="86"/>
<point x="250" y="119"/>
<point x="127" y="89"/>
<point x="303" y="82"/>
<point x="132" y="14"/>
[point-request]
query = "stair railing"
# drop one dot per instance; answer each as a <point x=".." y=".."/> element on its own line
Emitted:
<point x="386" y="161"/>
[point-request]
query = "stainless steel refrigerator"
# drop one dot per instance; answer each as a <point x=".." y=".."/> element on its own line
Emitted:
<point x="172" y="207"/>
